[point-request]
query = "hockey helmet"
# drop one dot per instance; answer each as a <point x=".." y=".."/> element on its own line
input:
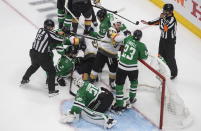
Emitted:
<point x="78" y="82"/>
<point x="71" y="51"/>
<point x="101" y="14"/>
<point x="137" y="35"/>
<point x="48" y="23"/>
<point x="168" y="7"/>
<point x="111" y="31"/>
<point x="116" y="23"/>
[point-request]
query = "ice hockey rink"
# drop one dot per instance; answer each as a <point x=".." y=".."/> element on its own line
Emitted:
<point x="30" y="109"/>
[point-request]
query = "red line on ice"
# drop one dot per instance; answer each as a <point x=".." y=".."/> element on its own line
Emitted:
<point x="19" y="13"/>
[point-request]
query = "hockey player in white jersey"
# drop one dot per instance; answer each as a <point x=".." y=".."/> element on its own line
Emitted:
<point x="87" y="62"/>
<point x="108" y="53"/>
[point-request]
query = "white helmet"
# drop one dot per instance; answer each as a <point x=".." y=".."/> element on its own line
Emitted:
<point x="78" y="82"/>
<point x="116" y="21"/>
<point x="112" y="30"/>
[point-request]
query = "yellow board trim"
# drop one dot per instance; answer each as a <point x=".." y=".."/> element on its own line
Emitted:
<point x="181" y="19"/>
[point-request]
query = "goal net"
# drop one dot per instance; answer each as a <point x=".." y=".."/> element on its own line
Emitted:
<point x="168" y="110"/>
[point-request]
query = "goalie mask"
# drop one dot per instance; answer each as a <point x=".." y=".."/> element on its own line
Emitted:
<point x="78" y="82"/>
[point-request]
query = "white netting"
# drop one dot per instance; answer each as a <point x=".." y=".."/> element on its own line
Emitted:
<point x="176" y="114"/>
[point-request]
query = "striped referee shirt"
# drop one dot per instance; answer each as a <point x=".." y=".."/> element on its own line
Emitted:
<point x="167" y="26"/>
<point x="43" y="40"/>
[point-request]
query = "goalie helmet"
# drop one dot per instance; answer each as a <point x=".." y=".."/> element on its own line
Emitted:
<point x="48" y="23"/>
<point x="78" y="82"/>
<point x="137" y="35"/>
<point x="168" y="7"/>
<point x="101" y="14"/>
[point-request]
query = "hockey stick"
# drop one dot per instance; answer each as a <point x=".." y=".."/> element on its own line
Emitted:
<point x="135" y="23"/>
<point x="71" y="81"/>
<point x="114" y="12"/>
<point x="92" y="38"/>
<point x="66" y="6"/>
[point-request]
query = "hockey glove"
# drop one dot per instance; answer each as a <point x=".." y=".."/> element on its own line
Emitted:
<point x="71" y="50"/>
<point x="66" y="30"/>
<point x="82" y="44"/>
<point x="127" y="33"/>
<point x="88" y="31"/>
<point x="69" y="117"/>
<point x="78" y="62"/>
<point x="61" y="81"/>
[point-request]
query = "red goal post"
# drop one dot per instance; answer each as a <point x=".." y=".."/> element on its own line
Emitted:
<point x="173" y="112"/>
<point x="162" y="94"/>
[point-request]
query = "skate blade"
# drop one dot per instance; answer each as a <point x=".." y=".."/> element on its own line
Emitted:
<point x="53" y="94"/>
<point x="23" y="85"/>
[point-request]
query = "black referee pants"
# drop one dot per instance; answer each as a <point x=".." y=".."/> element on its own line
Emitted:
<point x="167" y="51"/>
<point x="45" y="61"/>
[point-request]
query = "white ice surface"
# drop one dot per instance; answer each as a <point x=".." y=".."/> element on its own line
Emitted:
<point x="29" y="109"/>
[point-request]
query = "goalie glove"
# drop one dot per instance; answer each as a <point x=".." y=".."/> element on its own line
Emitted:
<point x="69" y="117"/>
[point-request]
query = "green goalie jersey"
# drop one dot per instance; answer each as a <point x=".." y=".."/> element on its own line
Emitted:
<point x="85" y="95"/>
<point x="133" y="50"/>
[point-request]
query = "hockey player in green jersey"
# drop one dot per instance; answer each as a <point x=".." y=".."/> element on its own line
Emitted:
<point x="90" y="103"/>
<point x="106" y="21"/>
<point x="66" y="65"/>
<point x="127" y="66"/>
<point x="68" y="60"/>
<point x="64" y="17"/>
<point x="107" y="53"/>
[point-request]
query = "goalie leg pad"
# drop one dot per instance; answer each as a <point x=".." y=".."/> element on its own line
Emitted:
<point x="97" y="118"/>
<point x="69" y="117"/>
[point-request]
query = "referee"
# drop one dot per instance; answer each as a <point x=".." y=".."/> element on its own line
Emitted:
<point x="167" y="23"/>
<point x="41" y="55"/>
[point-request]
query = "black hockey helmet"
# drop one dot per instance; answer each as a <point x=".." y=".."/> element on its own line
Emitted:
<point x="101" y="14"/>
<point x="71" y="51"/>
<point x="168" y="7"/>
<point x="48" y="23"/>
<point x="137" y="35"/>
